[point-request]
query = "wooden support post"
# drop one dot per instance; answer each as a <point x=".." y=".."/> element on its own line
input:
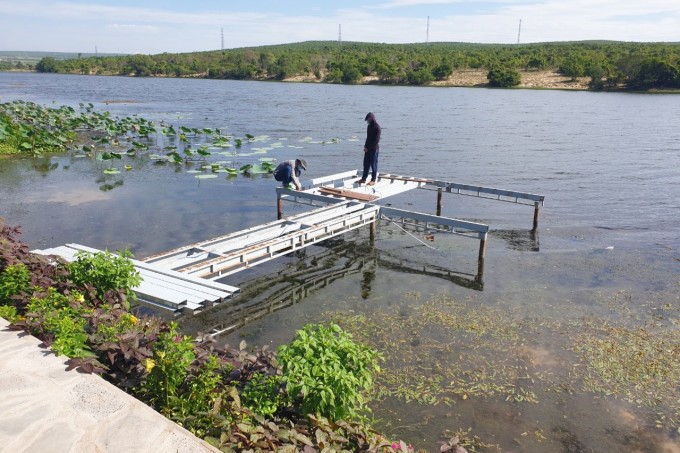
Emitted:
<point x="279" y="208"/>
<point x="479" y="278"/>
<point x="439" y="202"/>
<point x="373" y="228"/>
<point x="482" y="247"/>
<point x="536" y="209"/>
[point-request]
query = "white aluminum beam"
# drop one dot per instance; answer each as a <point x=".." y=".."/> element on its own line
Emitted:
<point x="488" y="192"/>
<point x="455" y="226"/>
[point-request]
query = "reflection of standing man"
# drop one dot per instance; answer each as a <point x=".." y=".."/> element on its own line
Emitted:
<point x="371" y="149"/>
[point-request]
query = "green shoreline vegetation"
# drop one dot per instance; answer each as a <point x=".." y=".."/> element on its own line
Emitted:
<point x="237" y="399"/>
<point x="609" y="65"/>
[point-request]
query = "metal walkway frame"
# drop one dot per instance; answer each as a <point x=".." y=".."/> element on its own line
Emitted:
<point x="342" y="186"/>
<point x="228" y="254"/>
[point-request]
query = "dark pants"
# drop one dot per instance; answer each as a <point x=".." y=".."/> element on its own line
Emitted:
<point x="284" y="174"/>
<point x="370" y="163"/>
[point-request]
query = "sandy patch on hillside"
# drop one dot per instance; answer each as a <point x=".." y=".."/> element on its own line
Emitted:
<point x="473" y="77"/>
<point x="529" y="79"/>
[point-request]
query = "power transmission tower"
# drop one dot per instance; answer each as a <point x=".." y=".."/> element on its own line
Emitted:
<point x="427" y="33"/>
<point x="519" y="30"/>
<point x="222" y="38"/>
<point x="339" y="32"/>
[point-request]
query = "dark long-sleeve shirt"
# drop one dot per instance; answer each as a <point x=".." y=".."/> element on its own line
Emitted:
<point x="372" y="134"/>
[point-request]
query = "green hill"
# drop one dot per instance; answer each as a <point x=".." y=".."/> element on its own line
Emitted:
<point x="609" y="64"/>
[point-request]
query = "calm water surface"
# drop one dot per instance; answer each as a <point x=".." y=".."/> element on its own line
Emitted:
<point x="606" y="250"/>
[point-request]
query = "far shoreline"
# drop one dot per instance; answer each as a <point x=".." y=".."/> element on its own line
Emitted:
<point x="460" y="78"/>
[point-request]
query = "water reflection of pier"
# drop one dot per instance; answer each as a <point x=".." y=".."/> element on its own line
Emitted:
<point x="312" y="272"/>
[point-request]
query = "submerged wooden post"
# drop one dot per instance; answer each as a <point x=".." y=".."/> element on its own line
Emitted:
<point x="482" y="247"/>
<point x="279" y="207"/>
<point x="373" y="229"/>
<point x="479" y="278"/>
<point x="439" y="202"/>
<point x="536" y="209"/>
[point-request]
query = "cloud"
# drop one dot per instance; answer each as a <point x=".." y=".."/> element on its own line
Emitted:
<point x="133" y="28"/>
<point x="407" y="3"/>
<point x="68" y="26"/>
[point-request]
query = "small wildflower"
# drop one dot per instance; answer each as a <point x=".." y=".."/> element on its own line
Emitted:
<point x="80" y="298"/>
<point x="149" y="365"/>
<point x="133" y="319"/>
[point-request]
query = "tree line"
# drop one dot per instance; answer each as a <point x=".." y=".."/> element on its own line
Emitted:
<point x="608" y="64"/>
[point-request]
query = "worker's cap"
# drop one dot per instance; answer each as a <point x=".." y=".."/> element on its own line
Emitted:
<point x="302" y="163"/>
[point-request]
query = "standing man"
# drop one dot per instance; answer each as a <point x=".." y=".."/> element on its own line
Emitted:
<point x="288" y="172"/>
<point x="371" y="149"/>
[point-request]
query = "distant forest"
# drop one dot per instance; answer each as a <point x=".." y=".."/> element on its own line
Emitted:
<point x="610" y="65"/>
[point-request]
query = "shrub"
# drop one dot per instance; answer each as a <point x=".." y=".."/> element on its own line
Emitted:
<point x="102" y="272"/>
<point x="328" y="370"/>
<point x="503" y="77"/>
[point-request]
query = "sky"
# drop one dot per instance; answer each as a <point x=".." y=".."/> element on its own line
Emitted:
<point x="176" y="26"/>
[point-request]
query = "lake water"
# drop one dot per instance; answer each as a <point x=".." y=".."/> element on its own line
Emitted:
<point x="604" y="260"/>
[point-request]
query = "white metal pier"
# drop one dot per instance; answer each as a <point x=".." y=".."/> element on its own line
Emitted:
<point x="182" y="279"/>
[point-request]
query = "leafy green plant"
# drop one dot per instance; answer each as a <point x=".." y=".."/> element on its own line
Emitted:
<point x="14" y="280"/>
<point x="116" y="324"/>
<point x="102" y="272"/>
<point x="262" y="394"/>
<point x="172" y="355"/>
<point x="187" y="384"/>
<point x="60" y="321"/>
<point x="9" y="313"/>
<point x="328" y="371"/>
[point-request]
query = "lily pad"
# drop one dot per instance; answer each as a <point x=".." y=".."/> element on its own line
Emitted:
<point x="111" y="171"/>
<point x="257" y="169"/>
<point x="205" y="176"/>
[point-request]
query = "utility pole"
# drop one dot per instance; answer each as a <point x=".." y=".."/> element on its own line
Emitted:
<point x="223" y="38"/>
<point x="427" y="33"/>
<point x="519" y="30"/>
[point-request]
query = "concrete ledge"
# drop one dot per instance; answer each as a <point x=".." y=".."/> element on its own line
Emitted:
<point x="44" y="408"/>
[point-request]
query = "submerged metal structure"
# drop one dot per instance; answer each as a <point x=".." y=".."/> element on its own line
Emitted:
<point x="182" y="279"/>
